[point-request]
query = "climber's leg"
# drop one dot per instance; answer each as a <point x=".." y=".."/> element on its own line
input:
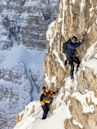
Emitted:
<point x="65" y="62"/>
<point x="77" y="61"/>
<point x="46" y="110"/>
<point x="72" y="67"/>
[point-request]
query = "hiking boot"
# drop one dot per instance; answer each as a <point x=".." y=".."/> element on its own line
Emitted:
<point x="72" y="78"/>
<point x="65" y="63"/>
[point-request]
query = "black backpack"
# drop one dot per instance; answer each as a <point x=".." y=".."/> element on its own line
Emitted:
<point x="64" y="49"/>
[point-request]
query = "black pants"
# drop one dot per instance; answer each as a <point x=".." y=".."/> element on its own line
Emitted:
<point x="45" y="111"/>
<point x="73" y="60"/>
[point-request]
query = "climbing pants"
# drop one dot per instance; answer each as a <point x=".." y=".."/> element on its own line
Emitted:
<point x="73" y="60"/>
<point x="45" y="111"/>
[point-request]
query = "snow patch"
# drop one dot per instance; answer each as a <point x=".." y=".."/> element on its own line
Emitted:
<point x="92" y="64"/>
<point x="73" y="1"/>
<point x="50" y="80"/>
<point x="89" y="30"/>
<point x="96" y="21"/>
<point x="88" y="60"/>
<point x="50" y="35"/>
<point x="77" y="123"/>
<point x="32" y="4"/>
<point x="55" y="121"/>
<point x="47" y="80"/>
<point x="70" y="85"/>
<point x="65" y="4"/>
<point x="53" y="79"/>
<point x="49" y="32"/>
<point x="58" y="59"/>
<point x="82" y="5"/>
<point x="85" y="99"/>
<point x="60" y="19"/>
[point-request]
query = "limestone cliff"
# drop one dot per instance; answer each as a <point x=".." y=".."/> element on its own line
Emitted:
<point x="76" y="17"/>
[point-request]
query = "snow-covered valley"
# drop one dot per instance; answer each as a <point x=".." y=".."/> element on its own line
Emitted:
<point x="23" y="24"/>
<point x="20" y="80"/>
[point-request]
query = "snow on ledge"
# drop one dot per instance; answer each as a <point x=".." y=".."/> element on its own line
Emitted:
<point x="50" y="80"/>
<point x="90" y="59"/>
<point x="86" y="98"/>
<point x="69" y="85"/>
<point x="73" y="1"/>
<point x="82" y="5"/>
<point x="54" y="121"/>
<point x="77" y="123"/>
<point x="49" y="33"/>
<point x="58" y="59"/>
<point x="47" y="80"/>
<point x="53" y="79"/>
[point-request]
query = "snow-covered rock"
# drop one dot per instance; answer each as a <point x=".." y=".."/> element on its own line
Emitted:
<point x="82" y="94"/>
<point x="75" y="20"/>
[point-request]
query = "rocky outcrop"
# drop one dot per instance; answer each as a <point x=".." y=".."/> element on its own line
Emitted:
<point x="75" y="18"/>
<point x="84" y="99"/>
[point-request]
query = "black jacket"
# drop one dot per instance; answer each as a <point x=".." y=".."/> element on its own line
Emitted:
<point x="69" y="48"/>
<point x="45" y="99"/>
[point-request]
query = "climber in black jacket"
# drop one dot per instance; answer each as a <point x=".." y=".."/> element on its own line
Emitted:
<point x="69" y="48"/>
<point x="46" y="99"/>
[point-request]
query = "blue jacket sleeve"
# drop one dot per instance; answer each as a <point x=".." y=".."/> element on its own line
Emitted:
<point x="77" y="44"/>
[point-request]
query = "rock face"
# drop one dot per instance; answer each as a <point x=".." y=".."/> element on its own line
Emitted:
<point x="23" y="24"/>
<point x="83" y="105"/>
<point x="75" y="18"/>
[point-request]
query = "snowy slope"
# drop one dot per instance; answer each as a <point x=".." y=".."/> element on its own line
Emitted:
<point x="56" y="121"/>
<point x="31" y="116"/>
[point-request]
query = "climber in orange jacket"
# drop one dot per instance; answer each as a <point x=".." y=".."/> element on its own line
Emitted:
<point x="46" y="99"/>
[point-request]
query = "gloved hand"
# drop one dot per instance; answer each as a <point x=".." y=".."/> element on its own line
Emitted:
<point x="42" y="103"/>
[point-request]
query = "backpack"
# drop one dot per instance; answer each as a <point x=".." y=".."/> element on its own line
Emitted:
<point x="64" y="49"/>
